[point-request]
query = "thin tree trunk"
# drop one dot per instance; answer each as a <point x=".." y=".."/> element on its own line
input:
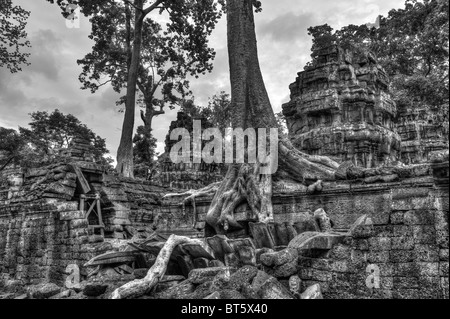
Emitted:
<point x="125" y="151"/>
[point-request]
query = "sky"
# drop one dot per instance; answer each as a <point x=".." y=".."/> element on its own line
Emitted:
<point x="51" y="81"/>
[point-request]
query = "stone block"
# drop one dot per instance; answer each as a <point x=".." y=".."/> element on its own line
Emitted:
<point x="406" y="294"/>
<point x="406" y="283"/>
<point x="443" y="254"/>
<point x="397" y="217"/>
<point x="378" y="256"/>
<point x="428" y="269"/>
<point x="443" y="269"/>
<point x="379" y="243"/>
<point x="426" y="253"/>
<point x="424" y="234"/>
<point x="279" y="258"/>
<point x="406" y="270"/>
<point x="312" y="292"/>
<point x="402" y="256"/>
<point x="43" y="291"/>
<point x="94" y="289"/>
<point x="286" y="270"/>
<point x="273" y="289"/>
<point x="419" y="217"/>
<point x="402" y="243"/>
<point x="197" y="276"/>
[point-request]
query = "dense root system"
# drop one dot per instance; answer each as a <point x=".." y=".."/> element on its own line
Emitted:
<point x="243" y="183"/>
<point x="140" y="287"/>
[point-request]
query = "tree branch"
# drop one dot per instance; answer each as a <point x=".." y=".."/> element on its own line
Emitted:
<point x="132" y="4"/>
<point x="153" y="7"/>
<point x="7" y="162"/>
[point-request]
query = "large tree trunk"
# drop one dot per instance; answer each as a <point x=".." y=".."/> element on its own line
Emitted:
<point x="250" y="107"/>
<point x="125" y="151"/>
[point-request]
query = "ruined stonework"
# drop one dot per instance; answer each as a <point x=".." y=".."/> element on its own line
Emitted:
<point x="49" y="214"/>
<point x="389" y="237"/>
<point x="186" y="175"/>
<point x="341" y="107"/>
<point x="423" y="129"/>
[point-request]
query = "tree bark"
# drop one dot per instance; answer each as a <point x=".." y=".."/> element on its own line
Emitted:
<point x="143" y="286"/>
<point x="250" y="108"/>
<point x="125" y="151"/>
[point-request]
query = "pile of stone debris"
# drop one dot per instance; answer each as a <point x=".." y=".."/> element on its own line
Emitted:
<point x="212" y="268"/>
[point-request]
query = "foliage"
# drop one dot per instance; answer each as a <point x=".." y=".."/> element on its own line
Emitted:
<point x="51" y="131"/>
<point x="144" y="152"/>
<point x="412" y="44"/>
<point x="134" y="51"/>
<point x="13" y="20"/>
<point x="11" y="143"/>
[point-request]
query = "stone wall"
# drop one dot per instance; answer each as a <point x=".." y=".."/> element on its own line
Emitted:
<point x="404" y="256"/>
<point x="406" y="239"/>
<point x="186" y="175"/>
<point x="424" y="130"/>
<point x="43" y="227"/>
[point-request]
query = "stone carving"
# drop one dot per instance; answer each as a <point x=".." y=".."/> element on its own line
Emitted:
<point x="186" y="176"/>
<point x="341" y="107"/>
<point x="423" y="130"/>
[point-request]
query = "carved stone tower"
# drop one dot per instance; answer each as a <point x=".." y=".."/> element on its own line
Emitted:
<point x="341" y="107"/>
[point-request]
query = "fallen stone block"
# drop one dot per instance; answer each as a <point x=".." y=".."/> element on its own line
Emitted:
<point x="286" y="270"/>
<point x="273" y="289"/>
<point x="198" y="276"/>
<point x="62" y="295"/>
<point x="214" y="295"/>
<point x="231" y="294"/>
<point x="261" y="235"/>
<point x="180" y="291"/>
<point x="312" y="292"/>
<point x="242" y="276"/>
<point x="44" y="291"/>
<point x="94" y="289"/>
<point x="260" y="278"/>
<point x="318" y="241"/>
<point x="279" y="258"/>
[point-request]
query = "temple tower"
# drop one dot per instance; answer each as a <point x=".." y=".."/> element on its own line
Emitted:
<point x="341" y="107"/>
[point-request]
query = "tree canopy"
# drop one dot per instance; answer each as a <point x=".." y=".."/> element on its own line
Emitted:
<point x="13" y="20"/>
<point x="51" y="131"/>
<point x="412" y="44"/>
<point x="133" y="51"/>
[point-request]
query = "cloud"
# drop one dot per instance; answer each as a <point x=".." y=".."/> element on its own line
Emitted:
<point x="44" y="60"/>
<point x="288" y="27"/>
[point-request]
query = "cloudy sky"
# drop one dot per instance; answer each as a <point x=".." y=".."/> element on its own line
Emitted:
<point x="51" y="81"/>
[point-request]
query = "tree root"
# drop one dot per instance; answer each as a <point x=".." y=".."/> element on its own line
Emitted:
<point x="192" y="194"/>
<point x="140" y="287"/>
<point x="243" y="183"/>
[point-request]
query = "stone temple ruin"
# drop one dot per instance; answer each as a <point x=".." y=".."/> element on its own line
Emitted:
<point x="71" y="229"/>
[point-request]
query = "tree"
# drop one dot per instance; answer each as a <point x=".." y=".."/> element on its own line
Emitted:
<point x="49" y="132"/>
<point x="412" y="44"/>
<point x="13" y="20"/>
<point x="218" y="111"/>
<point x="144" y="152"/>
<point x="250" y="108"/>
<point x="11" y="144"/>
<point x="135" y="52"/>
<point x="240" y="184"/>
